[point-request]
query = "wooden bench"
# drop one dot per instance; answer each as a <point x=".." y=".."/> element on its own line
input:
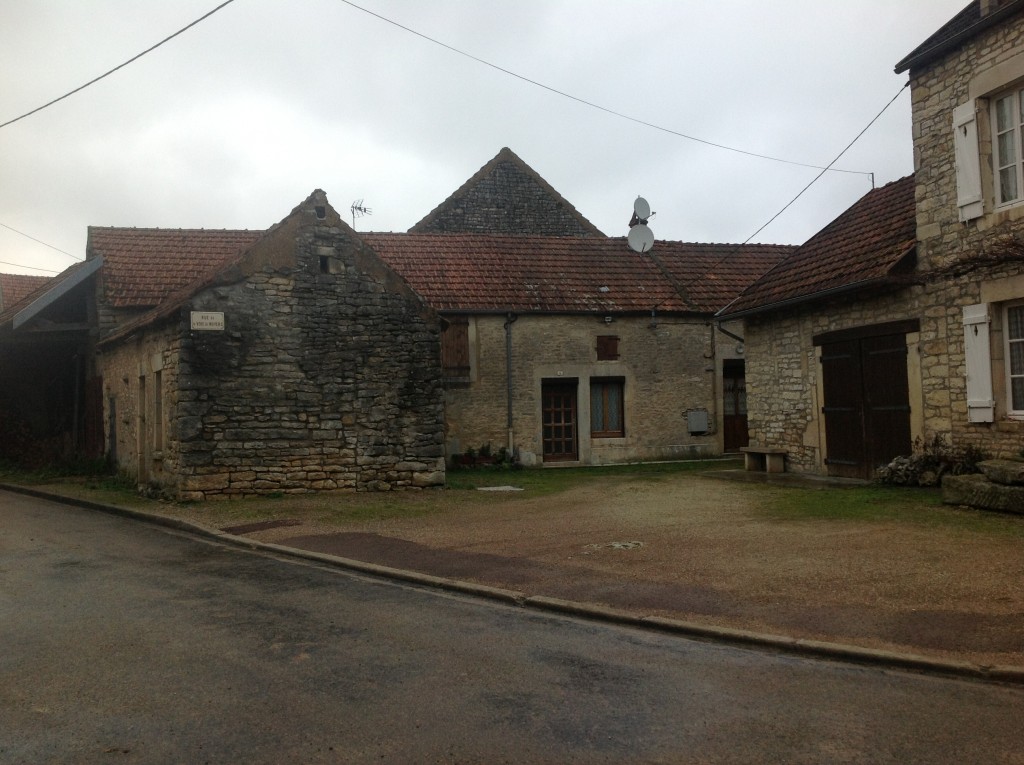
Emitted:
<point x="770" y="459"/>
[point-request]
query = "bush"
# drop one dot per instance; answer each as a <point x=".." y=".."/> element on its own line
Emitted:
<point x="930" y="461"/>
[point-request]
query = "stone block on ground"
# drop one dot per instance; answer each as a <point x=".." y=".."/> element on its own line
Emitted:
<point x="977" y="491"/>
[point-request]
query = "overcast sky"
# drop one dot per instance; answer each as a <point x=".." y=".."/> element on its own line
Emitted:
<point x="237" y="120"/>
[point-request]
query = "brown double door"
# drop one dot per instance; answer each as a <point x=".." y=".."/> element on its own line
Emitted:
<point x="866" y="403"/>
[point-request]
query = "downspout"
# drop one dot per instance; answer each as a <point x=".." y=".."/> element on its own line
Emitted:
<point x="724" y="331"/>
<point x="509" y="321"/>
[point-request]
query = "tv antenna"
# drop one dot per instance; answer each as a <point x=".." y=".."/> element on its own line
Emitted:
<point x="359" y="210"/>
<point x="640" y="238"/>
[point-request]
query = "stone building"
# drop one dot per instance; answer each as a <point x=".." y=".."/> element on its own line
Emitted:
<point x="358" y="360"/>
<point x="237" y="363"/>
<point x="579" y="350"/>
<point x="905" y="318"/>
<point x="563" y="345"/>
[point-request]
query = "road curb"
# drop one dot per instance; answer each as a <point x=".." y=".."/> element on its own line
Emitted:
<point x="839" y="652"/>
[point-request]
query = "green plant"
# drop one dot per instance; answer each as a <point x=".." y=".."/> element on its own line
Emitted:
<point x="929" y="461"/>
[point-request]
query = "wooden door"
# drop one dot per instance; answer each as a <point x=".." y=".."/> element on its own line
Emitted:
<point x="886" y="398"/>
<point x="558" y="404"/>
<point x="866" y="403"/>
<point x="734" y="406"/>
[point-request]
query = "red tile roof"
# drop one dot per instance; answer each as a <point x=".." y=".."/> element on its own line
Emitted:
<point x="489" y="272"/>
<point x="14" y="287"/>
<point x="865" y="245"/>
<point x="463" y="272"/>
<point x="143" y="266"/>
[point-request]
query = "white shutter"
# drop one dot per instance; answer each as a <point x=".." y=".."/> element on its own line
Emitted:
<point x="980" y="405"/>
<point x="968" y="162"/>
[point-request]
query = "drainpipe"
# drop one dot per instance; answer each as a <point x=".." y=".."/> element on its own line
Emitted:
<point x="509" y="321"/>
<point x="724" y="331"/>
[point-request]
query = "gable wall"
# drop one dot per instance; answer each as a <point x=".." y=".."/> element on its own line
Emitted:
<point x="946" y="246"/>
<point x="667" y="370"/>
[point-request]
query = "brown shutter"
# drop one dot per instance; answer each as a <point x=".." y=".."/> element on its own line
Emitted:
<point x="455" y="348"/>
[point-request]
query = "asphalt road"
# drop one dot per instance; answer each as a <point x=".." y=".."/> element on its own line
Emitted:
<point x="126" y="643"/>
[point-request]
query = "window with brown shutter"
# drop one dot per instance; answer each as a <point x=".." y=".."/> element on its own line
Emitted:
<point x="607" y="347"/>
<point x="606" y="407"/>
<point x="455" y="349"/>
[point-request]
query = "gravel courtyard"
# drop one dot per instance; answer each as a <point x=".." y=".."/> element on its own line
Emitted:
<point x="942" y="582"/>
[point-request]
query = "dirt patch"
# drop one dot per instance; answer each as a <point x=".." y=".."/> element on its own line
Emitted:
<point x="703" y="549"/>
<point x="249" y="528"/>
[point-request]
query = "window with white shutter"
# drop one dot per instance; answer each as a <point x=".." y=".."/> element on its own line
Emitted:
<point x="968" y="162"/>
<point x="980" y="404"/>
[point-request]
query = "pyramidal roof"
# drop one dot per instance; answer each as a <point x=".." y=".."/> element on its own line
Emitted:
<point x="506" y="196"/>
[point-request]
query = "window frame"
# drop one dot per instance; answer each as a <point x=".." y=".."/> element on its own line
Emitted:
<point x="1016" y="131"/>
<point x="603" y="384"/>
<point x="1008" y="374"/>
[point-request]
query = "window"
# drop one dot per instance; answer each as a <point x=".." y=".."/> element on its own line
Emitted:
<point x="1013" y="323"/>
<point x="607" y="347"/>
<point x="1007" y="119"/>
<point x="606" y="410"/>
<point x="158" y="411"/>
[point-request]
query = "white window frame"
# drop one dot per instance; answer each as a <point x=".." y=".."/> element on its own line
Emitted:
<point x="1017" y="413"/>
<point x="1016" y="140"/>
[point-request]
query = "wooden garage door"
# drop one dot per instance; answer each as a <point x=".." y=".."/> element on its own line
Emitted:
<point x="866" y="403"/>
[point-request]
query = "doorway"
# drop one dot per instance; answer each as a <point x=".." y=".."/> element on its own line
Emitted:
<point x="866" y="403"/>
<point x="558" y="417"/>
<point x="734" y="406"/>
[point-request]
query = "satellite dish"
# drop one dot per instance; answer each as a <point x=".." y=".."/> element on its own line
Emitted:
<point x="640" y="238"/>
<point x="642" y="209"/>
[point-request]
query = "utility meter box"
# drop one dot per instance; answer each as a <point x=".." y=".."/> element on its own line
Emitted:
<point x="697" y="421"/>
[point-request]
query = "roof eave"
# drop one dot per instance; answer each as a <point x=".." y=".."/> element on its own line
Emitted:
<point x="800" y="299"/>
<point x="58" y="291"/>
<point x="951" y="43"/>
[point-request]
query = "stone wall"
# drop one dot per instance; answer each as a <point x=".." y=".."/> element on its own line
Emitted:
<point x="667" y="369"/>
<point x="952" y="255"/>
<point x="326" y="375"/>
<point x="140" y="397"/>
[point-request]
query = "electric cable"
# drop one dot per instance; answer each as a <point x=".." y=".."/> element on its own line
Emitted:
<point x="31" y="268"/>
<point x="591" y="104"/>
<point x="119" y="66"/>
<point x="40" y="241"/>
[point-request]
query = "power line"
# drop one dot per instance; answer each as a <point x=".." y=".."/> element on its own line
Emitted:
<point x="30" y="268"/>
<point x="40" y="241"/>
<point x="119" y="66"/>
<point x="591" y="104"/>
<point x="829" y="165"/>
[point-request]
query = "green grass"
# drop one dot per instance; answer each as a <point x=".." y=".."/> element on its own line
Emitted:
<point x="884" y="504"/>
<point x="542" y="482"/>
